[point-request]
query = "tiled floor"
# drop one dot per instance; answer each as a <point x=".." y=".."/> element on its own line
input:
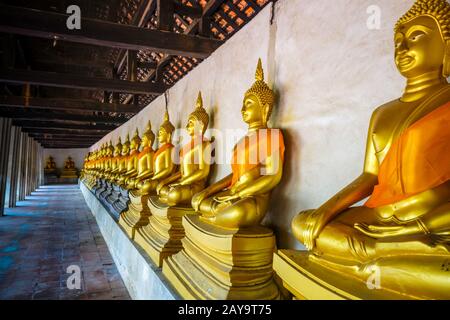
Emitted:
<point x="50" y="231"/>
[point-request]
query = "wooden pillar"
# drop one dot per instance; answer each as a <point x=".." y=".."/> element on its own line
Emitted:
<point x="5" y="139"/>
<point x="15" y="165"/>
<point x="23" y="166"/>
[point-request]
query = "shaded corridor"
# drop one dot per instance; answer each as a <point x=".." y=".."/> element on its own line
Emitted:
<point x="49" y="231"/>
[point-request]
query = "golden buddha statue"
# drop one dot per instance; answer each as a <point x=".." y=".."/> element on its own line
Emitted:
<point x="402" y="231"/>
<point x="116" y="178"/>
<point x="110" y="174"/>
<point x="136" y="219"/>
<point x="132" y="161"/>
<point x="227" y="239"/>
<point x="144" y="159"/>
<point x="164" y="230"/>
<point x="138" y="212"/>
<point x="50" y="165"/>
<point x="195" y="161"/>
<point x="163" y="165"/>
<point x="105" y="169"/>
<point x="69" y="171"/>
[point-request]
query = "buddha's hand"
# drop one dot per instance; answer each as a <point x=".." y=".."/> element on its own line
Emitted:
<point x="376" y="232"/>
<point x="223" y="199"/>
<point x="198" y="198"/>
<point x="314" y="225"/>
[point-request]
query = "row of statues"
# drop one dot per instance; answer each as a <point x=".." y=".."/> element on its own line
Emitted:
<point x="400" y="234"/>
<point x="68" y="171"/>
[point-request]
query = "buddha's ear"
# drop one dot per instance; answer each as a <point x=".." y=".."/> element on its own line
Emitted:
<point x="265" y="112"/>
<point x="446" y="68"/>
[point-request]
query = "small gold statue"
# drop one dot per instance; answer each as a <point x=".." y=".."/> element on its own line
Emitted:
<point x="403" y="230"/>
<point x="227" y="240"/>
<point x="69" y="171"/>
<point x="50" y="165"/>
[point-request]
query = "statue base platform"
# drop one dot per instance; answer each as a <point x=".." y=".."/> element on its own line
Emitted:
<point x="121" y="204"/>
<point x="69" y="173"/>
<point x="239" y="263"/>
<point x="161" y="237"/>
<point x="137" y="215"/>
<point x="308" y="280"/>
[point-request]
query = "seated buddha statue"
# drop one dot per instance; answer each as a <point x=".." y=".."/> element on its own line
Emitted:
<point x="162" y="166"/>
<point x="110" y="173"/>
<point x="131" y="161"/>
<point x="69" y="164"/>
<point x="162" y="235"/>
<point x="122" y="161"/>
<point x="226" y="238"/>
<point x="195" y="162"/>
<point x="105" y="169"/>
<point x="158" y="166"/>
<point x="114" y="200"/>
<point x="403" y="229"/>
<point x="144" y="159"/>
<point x="241" y="199"/>
<point x="50" y="164"/>
<point x="69" y="170"/>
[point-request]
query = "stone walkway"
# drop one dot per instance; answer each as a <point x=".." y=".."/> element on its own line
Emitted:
<point x="50" y="231"/>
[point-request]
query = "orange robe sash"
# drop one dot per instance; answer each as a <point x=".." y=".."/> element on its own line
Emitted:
<point x="417" y="161"/>
<point x="253" y="150"/>
<point x="163" y="148"/>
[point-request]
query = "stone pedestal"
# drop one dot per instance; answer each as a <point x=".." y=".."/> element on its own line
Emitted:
<point x="218" y="263"/>
<point x="137" y="215"/>
<point x="101" y="187"/>
<point x="309" y="280"/>
<point x="69" y="173"/>
<point x="161" y="237"/>
<point x="121" y="204"/>
<point x="108" y="189"/>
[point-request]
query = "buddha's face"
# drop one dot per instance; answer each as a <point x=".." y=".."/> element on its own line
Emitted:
<point x="419" y="47"/>
<point x="125" y="149"/>
<point x="144" y="141"/>
<point x="163" y="136"/>
<point x="251" y="110"/>
<point x="194" y="126"/>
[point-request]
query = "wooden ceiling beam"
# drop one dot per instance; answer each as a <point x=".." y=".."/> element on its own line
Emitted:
<point x="72" y="81"/>
<point x="52" y="25"/>
<point x="80" y="132"/>
<point x="66" y="104"/>
<point x="25" y="114"/>
<point x="58" y="125"/>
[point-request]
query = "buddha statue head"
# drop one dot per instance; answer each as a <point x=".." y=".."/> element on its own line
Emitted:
<point x="126" y="146"/>
<point x="258" y="101"/>
<point x="166" y="130"/>
<point x="198" y="120"/>
<point x="135" y="141"/>
<point x="422" y="39"/>
<point x="118" y="148"/>
<point x="148" y="137"/>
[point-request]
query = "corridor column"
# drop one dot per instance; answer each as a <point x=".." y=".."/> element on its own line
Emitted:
<point x="5" y="137"/>
<point x="13" y="176"/>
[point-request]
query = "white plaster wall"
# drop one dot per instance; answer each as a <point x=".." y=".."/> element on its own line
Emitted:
<point x="330" y="72"/>
<point x="61" y="155"/>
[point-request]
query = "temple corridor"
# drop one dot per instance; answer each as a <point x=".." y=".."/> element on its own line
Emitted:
<point x="44" y="235"/>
